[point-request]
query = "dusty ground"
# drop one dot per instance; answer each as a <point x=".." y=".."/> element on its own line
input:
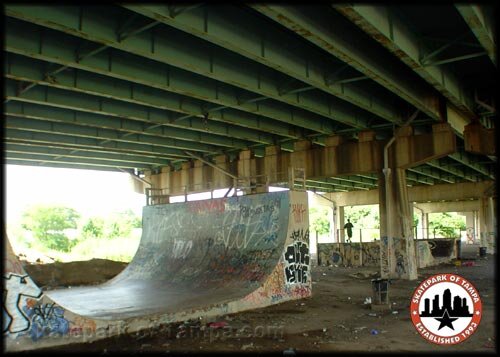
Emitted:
<point x="333" y="319"/>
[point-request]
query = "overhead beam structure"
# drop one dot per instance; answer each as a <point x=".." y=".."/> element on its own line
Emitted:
<point x="481" y="26"/>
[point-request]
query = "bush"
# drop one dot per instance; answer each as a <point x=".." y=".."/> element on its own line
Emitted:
<point x="48" y="225"/>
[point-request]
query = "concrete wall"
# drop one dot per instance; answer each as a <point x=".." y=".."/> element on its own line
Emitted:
<point x="429" y="253"/>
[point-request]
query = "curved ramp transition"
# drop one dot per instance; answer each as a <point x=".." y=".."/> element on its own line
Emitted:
<point x="195" y="259"/>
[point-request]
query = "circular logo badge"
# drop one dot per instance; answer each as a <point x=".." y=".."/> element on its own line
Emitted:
<point x="446" y="309"/>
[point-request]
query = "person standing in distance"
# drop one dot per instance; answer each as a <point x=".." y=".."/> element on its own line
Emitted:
<point x="348" y="227"/>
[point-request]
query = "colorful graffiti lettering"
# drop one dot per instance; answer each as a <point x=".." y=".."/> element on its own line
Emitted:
<point x="205" y="206"/>
<point x="297" y="259"/>
<point x="17" y="287"/>
<point x="299" y="212"/>
<point x="46" y="320"/>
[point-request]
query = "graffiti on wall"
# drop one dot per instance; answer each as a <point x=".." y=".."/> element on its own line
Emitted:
<point x="46" y="320"/>
<point x="385" y="253"/>
<point x="297" y="263"/>
<point x="298" y="212"/>
<point x="17" y="289"/>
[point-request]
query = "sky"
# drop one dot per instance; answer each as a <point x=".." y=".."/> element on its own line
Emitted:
<point x="90" y="192"/>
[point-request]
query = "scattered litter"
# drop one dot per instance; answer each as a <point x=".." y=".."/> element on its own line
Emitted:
<point x="302" y="303"/>
<point x="468" y="264"/>
<point x="394" y="303"/>
<point x="356" y="329"/>
<point x="323" y="274"/>
<point x="325" y="329"/>
<point x="289" y="352"/>
<point x="341" y="326"/>
<point x="368" y="300"/>
<point x="246" y="347"/>
<point x="216" y="325"/>
<point x="348" y="298"/>
<point x="335" y="265"/>
<point x="372" y="314"/>
<point x="395" y="312"/>
<point x="374" y="332"/>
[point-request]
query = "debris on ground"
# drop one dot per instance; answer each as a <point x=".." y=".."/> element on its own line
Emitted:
<point x="246" y="347"/>
<point x="368" y="301"/>
<point x="374" y="332"/>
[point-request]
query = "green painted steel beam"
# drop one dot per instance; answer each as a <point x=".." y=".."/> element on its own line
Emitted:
<point x="67" y="165"/>
<point x="103" y="134"/>
<point x="417" y="177"/>
<point x="186" y="53"/>
<point x="357" y="180"/>
<point x="451" y="170"/>
<point x="236" y="31"/>
<point x="127" y="116"/>
<point x="341" y="183"/>
<point x="433" y="173"/>
<point x="25" y="69"/>
<point x="336" y="37"/>
<point x="39" y="150"/>
<point x="80" y="161"/>
<point x="383" y="26"/>
<point x="83" y="143"/>
<point x="38" y="146"/>
<point x="471" y="161"/>
<point x="29" y="40"/>
<point x="481" y="26"/>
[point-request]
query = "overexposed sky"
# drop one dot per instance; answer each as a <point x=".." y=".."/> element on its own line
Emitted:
<point x="90" y="192"/>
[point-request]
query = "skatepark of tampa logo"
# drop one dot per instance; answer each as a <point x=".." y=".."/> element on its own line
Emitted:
<point x="446" y="309"/>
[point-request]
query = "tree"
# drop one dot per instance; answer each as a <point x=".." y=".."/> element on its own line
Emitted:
<point x="446" y="224"/>
<point x="94" y="227"/>
<point x="121" y="224"/>
<point x="319" y="220"/>
<point x="48" y="223"/>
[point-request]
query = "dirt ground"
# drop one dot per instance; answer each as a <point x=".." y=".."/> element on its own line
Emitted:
<point x="334" y="319"/>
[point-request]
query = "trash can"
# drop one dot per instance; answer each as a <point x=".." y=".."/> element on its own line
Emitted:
<point x="380" y="289"/>
<point x="459" y="248"/>
<point x="482" y="251"/>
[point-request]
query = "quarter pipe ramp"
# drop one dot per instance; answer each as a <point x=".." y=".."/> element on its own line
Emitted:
<point x="200" y="258"/>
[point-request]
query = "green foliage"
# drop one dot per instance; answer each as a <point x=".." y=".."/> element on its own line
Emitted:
<point x="446" y="224"/>
<point x="320" y="222"/>
<point x="94" y="227"/>
<point x="121" y="224"/>
<point x="362" y="217"/>
<point x="48" y="225"/>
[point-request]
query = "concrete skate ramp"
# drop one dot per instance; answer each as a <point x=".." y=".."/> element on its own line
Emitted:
<point x="201" y="258"/>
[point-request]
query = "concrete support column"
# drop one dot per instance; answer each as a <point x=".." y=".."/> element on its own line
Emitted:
<point x="469" y="227"/>
<point x="246" y="171"/>
<point x="397" y="251"/>
<point x="340" y="225"/>
<point x="487" y="223"/>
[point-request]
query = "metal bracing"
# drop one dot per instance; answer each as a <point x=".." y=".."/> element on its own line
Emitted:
<point x="481" y="26"/>
<point x="59" y="152"/>
<point x="384" y="26"/>
<point x="156" y="75"/>
<point x="337" y="38"/>
<point x="187" y="54"/>
<point x="80" y="161"/>
<point x="103" y="134"/>
<point x="468" y="160"/>
<point x="433" y="173"/>
<point x="438" y="164"/>
<point x="86" y="151"/>
<point x="84" y="143"/>
<point x="224" y="27"/>
<point x="51" y="104"/>
<point x="24" y="69"/>
<point x="69" y="165"/>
